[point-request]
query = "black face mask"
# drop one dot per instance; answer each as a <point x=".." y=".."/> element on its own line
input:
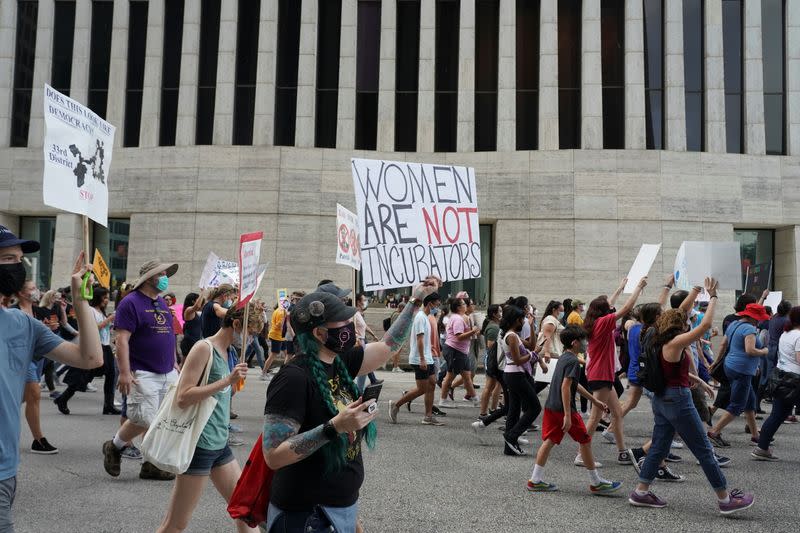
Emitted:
<point x="12" y="278"/>
<point x="341" y="340"/>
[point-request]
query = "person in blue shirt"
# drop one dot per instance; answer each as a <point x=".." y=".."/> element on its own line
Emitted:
<point x="24" y="339"/>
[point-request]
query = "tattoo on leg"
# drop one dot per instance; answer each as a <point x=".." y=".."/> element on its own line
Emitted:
<point x="308" y="442"/>
<point x="278" y="429"/>
<point x="398" y="334"/>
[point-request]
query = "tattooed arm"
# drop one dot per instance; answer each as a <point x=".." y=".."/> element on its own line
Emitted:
<point x="283" y="446"/>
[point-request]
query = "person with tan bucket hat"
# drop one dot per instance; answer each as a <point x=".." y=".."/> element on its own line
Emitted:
<point x="146" y="359"/>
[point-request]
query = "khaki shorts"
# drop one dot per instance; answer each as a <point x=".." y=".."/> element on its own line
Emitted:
<point x="145" y="397"/>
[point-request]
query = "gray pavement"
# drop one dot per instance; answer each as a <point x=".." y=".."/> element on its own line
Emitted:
<point x="419" y="479"/>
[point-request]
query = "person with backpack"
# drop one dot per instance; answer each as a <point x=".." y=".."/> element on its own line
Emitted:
<point x="490" y="329"/>
<point x="666" y="373"/>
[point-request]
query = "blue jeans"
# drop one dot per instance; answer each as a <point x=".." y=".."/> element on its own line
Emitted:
<point x="342" y="519"/>
<point x="780" y="410"/>
<point x="743" y="397"/>
<point x="767" y="364"/>
<point x="675" y="412"/>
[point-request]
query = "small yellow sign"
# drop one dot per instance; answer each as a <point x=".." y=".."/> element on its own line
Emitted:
<point x="100" y="269"/>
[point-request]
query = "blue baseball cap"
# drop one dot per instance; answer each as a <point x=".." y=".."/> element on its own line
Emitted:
<point x="8" y="239"/>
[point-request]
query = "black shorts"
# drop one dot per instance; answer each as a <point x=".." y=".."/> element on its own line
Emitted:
<point x="456" y="361"/>
<point x="420" y="374"/>
<point x="600" y="385"/>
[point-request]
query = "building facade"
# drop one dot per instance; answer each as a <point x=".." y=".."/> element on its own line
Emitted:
<point x="594" y="126"/>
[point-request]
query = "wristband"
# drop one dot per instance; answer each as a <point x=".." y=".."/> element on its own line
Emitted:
<point x="415" y="301"/>
<point x="715" y="296"/>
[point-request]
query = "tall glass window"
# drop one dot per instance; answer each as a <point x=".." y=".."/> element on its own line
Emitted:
<point x="612" y="29"/>
<point x="487" y="34"/>
<point x="24" y="57"/>
<point x="569" y="74"/>
<point x="406" y="76"/>
<point x="207" y="70"/>
<point x="286" y="71"/>
<point x="328" y="42"/>
<point x="527" y="74"/>
<point x="693" y="73"/>
<point x="42" y="229"/>
<point x="63" y="43"/>
<point x="100" y="55"/>
<point x="654" y="73"/>
<point x="733" y="55"/>
<point x="773" y="17"/>
<point x="137" y="38"/>
<point x="445" y="126"/>
<point x="244" y="101"/>
<point x="171" y="71"/>
<point x="113" y="245"/>
<point x="367" y="67"/>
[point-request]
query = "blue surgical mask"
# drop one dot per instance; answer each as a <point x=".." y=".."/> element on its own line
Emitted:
<point x="561" y="315"/>
<point x="434" y="311"/>
<point x="163" y="283"/>
<point x="227" y="303"/>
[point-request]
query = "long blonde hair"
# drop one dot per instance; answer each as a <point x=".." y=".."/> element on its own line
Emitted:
<point x="48" y="299"/>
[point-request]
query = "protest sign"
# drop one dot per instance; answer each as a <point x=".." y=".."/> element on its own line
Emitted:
<point x="208" y="270"/>
<point x="347" y="243"/>
<point x="249" y="253"/>
<point x="697" y="260"/>
<point x="218" y="271"/>
<point x="101" y="270"/>
<point x="78" y="146"/>
<point x="416" y="220"/>
<point x="773" y="300"/>
<point x="758" y="278"/>
<point x="642" y="265"/>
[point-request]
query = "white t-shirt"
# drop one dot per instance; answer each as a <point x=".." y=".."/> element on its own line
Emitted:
<point x="788" y="346"/>
<point x="421" y="326"/>
<point x="556" y="348"/>
<point x="105" y="333"/>
<point x="361" y="325"/>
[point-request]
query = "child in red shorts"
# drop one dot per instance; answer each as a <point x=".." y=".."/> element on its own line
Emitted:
<point x="561" y="417"/>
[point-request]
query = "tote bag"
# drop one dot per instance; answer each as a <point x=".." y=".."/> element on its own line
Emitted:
<point x="171" y="440"/>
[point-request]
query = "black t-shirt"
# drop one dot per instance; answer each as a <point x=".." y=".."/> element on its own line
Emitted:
<point x="294" y="394"/>
<point x="728" y="320"/>
<point x="210" y="322"/>
<point x="568" y="366"/>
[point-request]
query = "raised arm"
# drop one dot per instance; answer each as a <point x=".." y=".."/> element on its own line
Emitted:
<point x="663" y="296"/>
<point x="613" y="298"/>
<point x="630" y="302"/>
<point x="688" y="302"/>
<point x="674" y="348"/>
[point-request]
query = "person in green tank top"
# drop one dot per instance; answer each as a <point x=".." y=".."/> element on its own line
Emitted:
<point x="212" y="457"/>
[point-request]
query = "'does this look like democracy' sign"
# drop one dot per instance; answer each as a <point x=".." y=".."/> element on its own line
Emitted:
<point x="416" y="220"/>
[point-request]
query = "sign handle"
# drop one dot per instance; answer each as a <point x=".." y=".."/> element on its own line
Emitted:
<point x="243" y="353"/>
<point x="87" y="291"/>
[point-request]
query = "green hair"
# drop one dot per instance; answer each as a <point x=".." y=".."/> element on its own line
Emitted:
<point x="335" y="451"/>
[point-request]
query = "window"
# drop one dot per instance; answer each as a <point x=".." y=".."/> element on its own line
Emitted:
<point x="758" y="246"/>
<point x="612" y="30"/>
<point x="487" y="34"/>
<point x="733" y="56"/>
<point x="244" y="101"/>
<point x="654" y="73"/>
<point x="63" y="42"/>
<point x="773" y="16"/>
<point x="406" y="76"/>
<point x="24" y="55"/>
<point x="137" y="38"/>
<point x="113" y="245"/>
<point x="446" y="82"/>
<point x="527" y="74"/>
<point x="569" y="74"/>
<point x="367" y="67"/>
<point x="100" y="55"/>
<point x="286" y="72"/>
<point x="42" y="229"/>
<point x="693" y="73"/>
<point x="171" y="71"/>
<point x="207" y="70"/>
<point x="329" y="27"/>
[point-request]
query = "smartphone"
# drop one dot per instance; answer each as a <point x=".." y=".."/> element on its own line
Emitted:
<point x="372" y="392"/>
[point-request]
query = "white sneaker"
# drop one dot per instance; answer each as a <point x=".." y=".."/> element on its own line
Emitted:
<point x="523" y="441"/>
<point x="676" y="445"/>
<point x="609" y="437"/>
<point x="393" y="410"/>
<point x="579" y="462"/>
<point x="397" y="369"/>
<point x="90" y="388"/>
<point x="447" y="404"/>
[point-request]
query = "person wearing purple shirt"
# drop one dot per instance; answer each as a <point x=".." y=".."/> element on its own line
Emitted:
<point x="146" y="358"/>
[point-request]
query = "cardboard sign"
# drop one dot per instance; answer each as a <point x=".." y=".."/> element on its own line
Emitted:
<point x="101" y="270"/>
<point x="697" y="260"/>
<point x="774" y="300"/>
<point x="348" y="250"/>
<point x="758" y="278"/>
<point x="218" y="271"/>
<point x="249" y="253"/>
<point x="416" y="220"/>
<point x="77" y="157"/>
<point x="642" y="265"/>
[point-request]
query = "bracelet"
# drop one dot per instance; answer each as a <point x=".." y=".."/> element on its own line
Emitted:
<point x="668" y="287"/>
<point x="715" y="296"/>
<point x="415" y="301"/>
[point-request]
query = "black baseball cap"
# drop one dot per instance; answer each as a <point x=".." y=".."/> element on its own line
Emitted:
<point x="330" y="288"/>
<point x="317" y="308"/>
<point x="432" y="297"/>
<point x="8" y="239"/>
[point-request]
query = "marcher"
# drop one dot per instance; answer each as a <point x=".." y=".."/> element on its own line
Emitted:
<point x="219" y="301"/>
<point x="455" y="352"/>
<point x="192" y="322"/>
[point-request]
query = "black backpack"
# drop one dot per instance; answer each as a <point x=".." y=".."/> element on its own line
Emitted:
<point x="650" y="374"/>
<point x="492" y="368"/>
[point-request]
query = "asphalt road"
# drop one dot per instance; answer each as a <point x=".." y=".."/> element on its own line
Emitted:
<point x="419" y="479"/>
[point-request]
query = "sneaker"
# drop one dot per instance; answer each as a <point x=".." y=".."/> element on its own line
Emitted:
<point x="676" y="445"/>
<point x="234" y="416"/>
<point x="624" y="458"/>
<point x="431" y="421"/>
<point x="42" y="447"/>
<point x="132" y="453"/>
<point x="763" y="455"/>
<point x="603" y="425"/>
<point x="513" y="448"/>
<point x="111" y="458"/>
<point x="436" y="411"/>
<point x="408" y="404"/>
<point x="265" y="376"/>
<point x="478" y="427"/>
<point x="447" y="404"/>
<point x="637" y="458"/>
<point x="722" y="461"/>
<point x="579" y="462"/>
<point x="717" y="440"/>
<point x="393" y="410"/>
<point x="605" y="487"/>
<point x="739" y="501"/>
<point x="534" y="427"/>
<point x="523" y="442"/>
<point x="62" y="406"/>
<point x="151" y="471"/>
<point x="55" y="394"/>
<point x="672" y="458"/>
<point x="647" y="500"/>
<point x="397" y="370"/>
<point x="540" y="486"/>
<point x="233" y="440"/>
<point x="90" y="388"/>
<point x="608" y="437"/>
<point x="665" y="474"/>
<point x="233" y="428"/>
<point x="791" y="419"/>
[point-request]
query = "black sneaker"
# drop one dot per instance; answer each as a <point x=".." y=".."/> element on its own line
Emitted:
<point x="151" y="471"/>
<point x="111" y="458"/>
<point x="722" y="461"/>
<point x="602" y="425"/>
<point x="513" y="448"/>
<point x="637" y="455"/>
<point x="42" y="447"/>
<point x="672" y="458"/>
<point x="624" y="458"/>
<point x="408" y="404"/>
<point x="717" y="440"/>
<point x="665" y="474"/>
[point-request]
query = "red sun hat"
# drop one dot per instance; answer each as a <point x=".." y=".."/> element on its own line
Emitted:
<point x="754" y="311"/>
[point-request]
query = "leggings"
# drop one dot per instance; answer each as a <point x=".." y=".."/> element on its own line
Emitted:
<point x="109" y="376"/>
<point x="780" y="410"/>
<point x="523" y="404"/>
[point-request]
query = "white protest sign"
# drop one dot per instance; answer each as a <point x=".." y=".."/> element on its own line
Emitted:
<point x="773" y="300"/>
<point x="347" y="243"/>
<point x="416" y="220"/>
<point x="77" y="157"/>
<point x="249" y="253"/>
<point x="208" y="270"/>
<point x="642" y="265"/>
<point x="697" y="260"/>
<point x="222" y="272"/>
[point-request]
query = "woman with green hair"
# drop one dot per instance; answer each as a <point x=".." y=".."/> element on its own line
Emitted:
<point x="316" y="419"/>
